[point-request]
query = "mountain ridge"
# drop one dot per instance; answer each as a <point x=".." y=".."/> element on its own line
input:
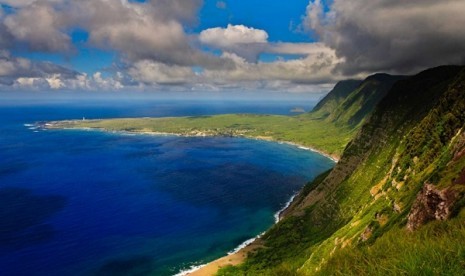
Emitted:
<point x="413" y="138"/>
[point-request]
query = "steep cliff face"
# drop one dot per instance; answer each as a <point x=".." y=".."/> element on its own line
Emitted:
<point x="406" y="142"/>
<point x="404" y="168"/>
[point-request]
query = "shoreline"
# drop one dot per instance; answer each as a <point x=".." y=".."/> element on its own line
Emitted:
<point x="333" y="157"/>
<point x="239" y="253"/>
<point x="235" y="256"/>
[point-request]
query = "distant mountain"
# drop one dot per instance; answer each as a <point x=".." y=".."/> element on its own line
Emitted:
<point x="393" y="203"/>
<point x="336" y="96"/>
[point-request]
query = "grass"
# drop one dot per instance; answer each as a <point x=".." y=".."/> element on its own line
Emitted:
<point x="304" y="130"/>
<point x="357" y="227"/>
<point x="435" y="249"/>
<point x="356" y="224"/>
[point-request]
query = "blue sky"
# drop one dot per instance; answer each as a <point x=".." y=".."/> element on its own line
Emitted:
<point x="281" y="22"/>
<point x="279" y="19"/>
<point x="221" y="45"/>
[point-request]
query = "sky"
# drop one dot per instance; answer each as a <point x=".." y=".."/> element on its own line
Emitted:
<point x="221" y="45"/>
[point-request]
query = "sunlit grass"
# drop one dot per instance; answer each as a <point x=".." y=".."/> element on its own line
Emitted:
<point x="303" y="130"/>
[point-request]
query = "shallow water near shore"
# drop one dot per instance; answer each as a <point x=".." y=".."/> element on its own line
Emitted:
<point x="93" y="203"/>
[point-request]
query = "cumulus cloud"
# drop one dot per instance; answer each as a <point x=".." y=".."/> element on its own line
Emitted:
<point x="232" y="35"/>
<point x="153" y="48"/>
<point x="139" y="31"/>
<point x="40" y="26"/>
<point x="24" y="72"/>
<point x="314" y="68"/>
<point x="149" y="72"/>
<point x="136" y="30"/>
<point x="244" y="41"/>
<point x="387" y="35"/>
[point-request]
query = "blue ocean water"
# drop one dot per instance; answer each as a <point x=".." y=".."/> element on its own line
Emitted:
<point x="94" y="203"/>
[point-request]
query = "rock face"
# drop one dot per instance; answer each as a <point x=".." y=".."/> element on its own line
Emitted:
<point x="431" y="204"/>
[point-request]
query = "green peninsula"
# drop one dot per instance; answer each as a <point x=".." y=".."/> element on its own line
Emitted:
<point x="303" y="130"/>
<point x="328" y="128"/>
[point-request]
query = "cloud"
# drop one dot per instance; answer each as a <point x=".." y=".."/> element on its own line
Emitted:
<point x="5" y="37"/>
<point x="24" y="72"/>
<point x="151" y="30"/>
<point x="244" y="41"/>
<point x="136" y="30"/>
<point x="314" y="68"/>
<point x="153" y="47"/>
<point x="232" y="35"/>
<point x="17" y="3"/>
<point x="391" y="35"/>
<point x="40" y="26"/>
<point x="149" y="72"/>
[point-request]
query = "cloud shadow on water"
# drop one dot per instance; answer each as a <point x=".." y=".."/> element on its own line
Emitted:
<point x="228" y="185"/>
<point x="23" y="216"/>
<point x="133" y="266"/>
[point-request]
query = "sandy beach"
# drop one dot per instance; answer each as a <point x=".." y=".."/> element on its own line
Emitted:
<point x="232" y="259"/>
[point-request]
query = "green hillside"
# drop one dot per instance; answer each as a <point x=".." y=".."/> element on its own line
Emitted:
<point x="350" y="102"/>
<point x="392" y="204"/>
<point x="386" y="207"/>
<point x="335" y="97"/>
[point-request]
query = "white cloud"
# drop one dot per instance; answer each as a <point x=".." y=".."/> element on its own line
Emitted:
<point x="356" y="38"/>
<point x="232" y="35"/>
<point x="313" y="68"/>
<point x="244" y="41"/>
<point x="150" y="72"/>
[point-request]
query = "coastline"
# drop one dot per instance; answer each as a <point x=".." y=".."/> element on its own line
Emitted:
<point x="238" y="254"/>
<point x="333" y="157"/>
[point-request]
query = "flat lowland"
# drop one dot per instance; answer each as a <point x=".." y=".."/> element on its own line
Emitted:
<point x="304" y="130"/>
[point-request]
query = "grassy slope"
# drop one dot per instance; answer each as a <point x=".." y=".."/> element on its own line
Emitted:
<point x="434" y="249"/>
<point x="352" y="221"/>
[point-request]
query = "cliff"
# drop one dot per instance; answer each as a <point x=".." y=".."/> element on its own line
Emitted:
<point x="351" y="101"/>
<point x="393" y="203"/>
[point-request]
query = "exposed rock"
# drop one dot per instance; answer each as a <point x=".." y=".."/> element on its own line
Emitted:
<point x="431" y="204"/>
<point x="367" y="233"/>
<point x="459" y="147"/>
<point x="460" y="179"/>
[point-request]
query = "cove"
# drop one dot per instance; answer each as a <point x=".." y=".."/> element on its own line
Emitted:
<point x="121" y="204"/>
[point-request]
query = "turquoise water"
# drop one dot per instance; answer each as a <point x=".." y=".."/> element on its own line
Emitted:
<point x="95" y="203"/>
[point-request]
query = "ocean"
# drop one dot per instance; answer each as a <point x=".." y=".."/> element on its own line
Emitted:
<point x="76" y="202"/>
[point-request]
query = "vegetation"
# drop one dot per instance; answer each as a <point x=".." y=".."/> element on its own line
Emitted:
<point x="403" y="132"/>
<point x="324" y="129"/>
<point x="303" y="130"/>
<point x="353" y="221"/>
<point x="434" y="249"/>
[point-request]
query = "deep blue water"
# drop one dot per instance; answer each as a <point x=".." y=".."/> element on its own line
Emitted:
<point x="95" y="203"/>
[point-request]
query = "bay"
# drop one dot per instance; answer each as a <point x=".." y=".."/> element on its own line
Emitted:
<point x="95" y="203"/>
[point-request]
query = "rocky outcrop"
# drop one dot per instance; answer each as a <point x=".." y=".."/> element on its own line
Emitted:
<point x="431" y="204"/>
